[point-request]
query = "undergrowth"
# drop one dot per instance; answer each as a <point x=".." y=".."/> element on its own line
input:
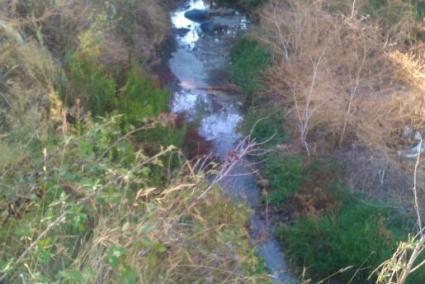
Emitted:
<point x="264" y="126"/>
<point x="95" y="211"/>
<point x="333" y="234"/>
<point x="284" y="174"/>
<point x="107" y="197"/>
<point x="249" y="59"/>
<point x="346" y="246"/>
<point x="139" y="98"/>
<point x="94" y="86"/>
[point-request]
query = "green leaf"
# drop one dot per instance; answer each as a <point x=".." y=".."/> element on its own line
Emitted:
<point x="114" y="254"/>
<point x="146" y="228"/>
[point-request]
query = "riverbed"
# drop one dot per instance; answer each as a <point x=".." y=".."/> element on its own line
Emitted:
<point x="203" y="94"/>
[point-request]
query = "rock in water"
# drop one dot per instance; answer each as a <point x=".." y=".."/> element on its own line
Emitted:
<point x="210" y="27"/>
<point x="197" y="15"/>
<point x="182" y="31"/>
<point x="222" y="12"/>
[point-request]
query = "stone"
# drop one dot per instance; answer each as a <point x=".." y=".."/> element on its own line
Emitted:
<point x="182" y="31"/>
<point x="210" y="27"/>
<point x="197" y="15"/>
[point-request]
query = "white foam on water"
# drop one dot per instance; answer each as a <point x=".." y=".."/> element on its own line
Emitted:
<point x="179" y="21"/>
<point x="221" y="128"/>
<point x="186" y="101"/>
<point x="244" y="24"/>
<point x="198" y="4"/>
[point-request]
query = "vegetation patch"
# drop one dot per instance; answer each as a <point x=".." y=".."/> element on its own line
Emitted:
<point x="249" y="60"/>
<point x="97" y="213"/>
<point x="347" y="245"/>
<point x="332" y="83"/>
<point x="285" y="175"/>
<point x="264" y="126"/>
<point x="332" y="90"/>
<point x="96" y="89"/>
<point x="106" y="197"/>
<point x="141" y="97"/>
<point x="331" y="233"/>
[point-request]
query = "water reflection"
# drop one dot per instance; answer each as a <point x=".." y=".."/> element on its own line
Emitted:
<point x="179" y="21"/>
<point x="222" y="128"/>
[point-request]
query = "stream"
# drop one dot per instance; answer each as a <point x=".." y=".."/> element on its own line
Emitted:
<point x="199" y="62"/>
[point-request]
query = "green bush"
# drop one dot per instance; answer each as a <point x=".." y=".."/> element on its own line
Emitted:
<point x="349" y="233"/>
<point x="140" y="98"/>
<point x="249" y="60"/>
<point x="264" y="126"/>
<point x="359" y="236"/>
<point x="419" y="9"/>
<point x="93" y="85"/>
<point x="285" y="175"/>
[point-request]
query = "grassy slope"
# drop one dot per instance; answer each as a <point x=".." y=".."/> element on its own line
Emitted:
<point x="104" y="197"/>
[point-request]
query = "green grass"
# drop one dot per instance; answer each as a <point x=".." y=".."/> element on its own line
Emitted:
<point x="345" y="233"/>
<point x="341" y="231"/>
<point x="140" y="98"/>
<point x="137" y="100"/>
<point x="249" y="60"/>
<point x="285" y="175"/>
<point x="95" y="88"/>
<point x="265" y="126"/>
<point x="390" y="13"/>
<point x="359" y="236"/>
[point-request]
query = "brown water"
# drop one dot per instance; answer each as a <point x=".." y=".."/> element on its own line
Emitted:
<point x="199" y="62"/>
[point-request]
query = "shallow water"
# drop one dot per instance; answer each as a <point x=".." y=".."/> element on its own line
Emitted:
<point x="199" y="62"/>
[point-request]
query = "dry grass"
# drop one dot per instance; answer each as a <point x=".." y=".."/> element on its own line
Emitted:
<point x="27" y="86"/>
<point x="340" y="74"/>
<point x="136" y="27"/>
<point x="171" y="244"/>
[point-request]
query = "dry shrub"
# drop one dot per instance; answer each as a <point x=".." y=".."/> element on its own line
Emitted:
<point x="29" y="100"/>
<point x="339" y="75"/>
<point x="55" y="24"/>
<point x="152" y="27"/>
<point x="136" y="31"/>
<point x="314" y="202"/>
<point x="27" y="87"/>
<point x="376" y="177"/>
<point x="124" y="27"/>
<point x="175" y="240"/>
<point x="386" y="117"/>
